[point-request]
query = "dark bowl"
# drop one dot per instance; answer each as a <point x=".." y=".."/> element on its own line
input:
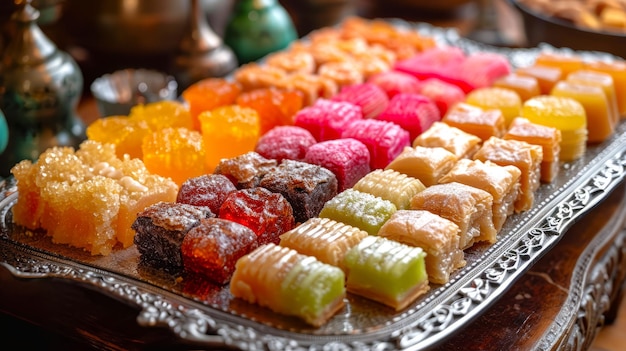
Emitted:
<point x="540" y="28"/>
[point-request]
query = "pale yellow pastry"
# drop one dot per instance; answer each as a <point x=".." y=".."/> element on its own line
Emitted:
<point x="390" y="185"/>
<point x="427" y="164"/>
<point x="460" y="143"/>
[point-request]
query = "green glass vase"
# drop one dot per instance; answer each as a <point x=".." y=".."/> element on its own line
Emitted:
<point x="4" y="133"/>
<point x="257" y="28"/>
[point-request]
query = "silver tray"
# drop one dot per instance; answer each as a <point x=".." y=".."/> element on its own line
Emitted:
<point x="207" y="315"/>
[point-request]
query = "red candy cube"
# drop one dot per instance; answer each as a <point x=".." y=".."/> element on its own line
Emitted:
<point x="395" y="82"/>
<point x="413" y="112"/>
<point x="443" y="94"/>
<point x="371" y="98"/>
<point x="326" y="119"/>
<point x="384" y="140"/>
<point x="285" y="142"/>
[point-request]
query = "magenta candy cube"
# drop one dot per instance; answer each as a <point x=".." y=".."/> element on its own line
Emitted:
<point x="413" y="112"/>
<point x="327" y="119"/>
<point x="285" y="142"/>
<point x="384" y="140"/>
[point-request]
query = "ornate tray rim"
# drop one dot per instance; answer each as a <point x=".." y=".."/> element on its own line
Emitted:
<point x="450" y="308"/>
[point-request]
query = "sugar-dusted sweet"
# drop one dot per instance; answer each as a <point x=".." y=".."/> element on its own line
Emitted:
<point x="62" y="191"/>
<point x="442" y="93"/>
<point x="272" y="276"/>
<point x="415" y="113"/>
<point x="564" y="114"/>
<point x="386" y="271"/>
<point x="390" y="185"/>
<point x="504" y="99"/>
<point x="232" y="125"/>
<point x="160" y="229"/>
<point x="268" y="214"/>
<point x="347" y="158"/>
<point x="245" y="171"/>
<point x="177" y="153"/>
<point x="209" y="190"/>
<point x="468" y="207"/>
<point x="358" y="209"/>
<point x="484" y="123"/>
<point x="502" y="182"/>
<point x="525" y="86"/>
<point x="307" y="187"/>
<point x="600" y="121"/>
<point x="327" y="119"/>
<point x="546" y="76"/>
<point x="617" y="70"/>
<point x="285" y="142"/>
<point x="372" y="99"/>
<point x="526" y="157"/>
<point x="602" y="80"/>
<point x="427" y="164"/>
<point x="163" y="114"/>
<point x="394" y="82"/>
<point x="458" y="142"/>
<point x="549" y="138"/>
<point x="437" y="236"/>
<point x="324" y="238"/>
<point x="276" y="107"/>
<point x="125" y="133"/>
<point x="384" y="140"/>
<point x="212" y="248"/>
<point x="209" y="93"/>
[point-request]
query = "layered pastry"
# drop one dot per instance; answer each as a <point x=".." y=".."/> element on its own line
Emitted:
<point x="438" y="236"/>
<point x="324" y="238"/>
<point x="358" y="209"/>
<point x="526" y="157"/>
<point x="470" y="208"/>
<point x="289" y="283"/>
<point x="161" y="229"/>
<point x="427" y="164"/>
<point x="502" y="182"/>
<point x="390" y="185"/>
<point x="386" y="271"/>
<point x="458" y="142"/>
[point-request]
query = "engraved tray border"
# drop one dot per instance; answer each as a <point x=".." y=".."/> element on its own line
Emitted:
<point x="446" y="310"/>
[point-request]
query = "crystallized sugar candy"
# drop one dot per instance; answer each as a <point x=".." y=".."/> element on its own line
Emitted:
<point x="275" y="107"/>
<point x="443" y="94"/>
<point x="415" y="113"/>
<point x="327" y="119"/>
<point x="348" y="159"/>
<point x="371" y="98"/>
<point x="384" y="140"/>
<point x="268" y="214"/>
<point x="359" y="209"/>
<point x="395" y="82"/>
<point x="125" y="133"/>
<point x="208" y="94"/>
<point x="208" y="190"/>
<point x="285" y="142"/>
<point x="213" y="247"/>
<point x="176" y="153"/>
<point x="163" y="114"/>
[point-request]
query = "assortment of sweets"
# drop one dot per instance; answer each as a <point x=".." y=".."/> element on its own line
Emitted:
<point x="208" y="190"/>
<point x="327" y="119"/>
<point x="307" y="187"/>
<point x="443" y="94"/>
<point x="415" y="113"/>
<point x="565" y="114"/>
<point x="428" y="164"/>
<point x="246" y="170"/>
<point x="476" y="120"/>
<point x="458" y="142"/>
<point x="525" y="86"/>
<point x="208" y="94"/>
<point x="470" y="208"/>
<point x="62" y="191"/>
<point x="160" y="229"/>
<point x="212" y="248"/>
<point x="395" y="82"/>
<point x="548" y="138"/>
<point x="526" y="157"/>
<point x="347" y="158"/>
<point x="390" y="185"/>
<point x="232" y="125"/>
<point x="384" y="140"/>
<point x="600" y="123"/>
<point x="437" y="236"/>
<point x="358" y="209"/>
<point x="177" y="153"/>
<point x="502" y="182"/>
<point x="386" y="271"/>
<point x="372" y="99"/>
<point x="285" y="142"/>
<point x="289" y="283"/>
<point x="276" y="107"/>
<point x="324" y="238"/>
<point x="503" y="99"/>
<point x="266" y="213"/>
